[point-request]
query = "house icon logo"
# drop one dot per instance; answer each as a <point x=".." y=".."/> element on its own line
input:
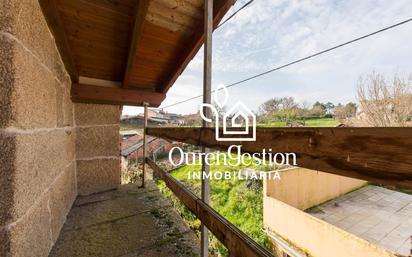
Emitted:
<point x="239" y="122"/>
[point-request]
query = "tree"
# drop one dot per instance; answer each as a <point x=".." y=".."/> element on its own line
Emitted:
<point x="277" y="104"/>
<point x="192" y="120"/>
<point x="317" y="111"/>
<point x="269" y="106"/>
<point x="303" y="110"/>
<point x="329" y="107"/>
<point x="345" y="111"/>
<point x="383" y="103"/>
<point x="319" y="105"/>
<point x="350" y="109"/>
<point x="288" y="103"/>
<point x="340" y="111"/>
<point x="220" y="110"/>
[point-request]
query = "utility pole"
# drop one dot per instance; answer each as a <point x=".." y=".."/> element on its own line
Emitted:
<point x="207" y="89"/>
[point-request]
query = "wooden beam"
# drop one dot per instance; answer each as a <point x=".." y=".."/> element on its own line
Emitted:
<point x="237" y="242"/>
<point x="114" y="95"/>
<point x="220" y="7"/>
<point x="139" y="19"/>
<point x="55" y="24"/>
<point x="381" y="155"/>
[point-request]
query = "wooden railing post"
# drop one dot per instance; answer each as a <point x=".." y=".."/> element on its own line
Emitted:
<point x="144" y="144"/>
<point x="207" y="89"/>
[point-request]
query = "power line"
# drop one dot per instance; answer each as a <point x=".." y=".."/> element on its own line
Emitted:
<point x="299" y="60"/>
<point x="233" y="14"/>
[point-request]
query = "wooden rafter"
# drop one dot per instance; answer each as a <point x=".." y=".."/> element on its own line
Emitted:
<point x="141" y="11"/>
<point x="54" y="22"/>
<point x="114" y="95"/>
<point x="219" y="10"/>
<point x="381" y="155"/>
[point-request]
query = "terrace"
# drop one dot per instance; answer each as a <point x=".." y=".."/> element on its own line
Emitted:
<point x="378" y="215"/>
<point x="67" y="69"/>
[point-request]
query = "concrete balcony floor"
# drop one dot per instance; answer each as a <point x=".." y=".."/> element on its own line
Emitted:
<point x="127" y="222"/>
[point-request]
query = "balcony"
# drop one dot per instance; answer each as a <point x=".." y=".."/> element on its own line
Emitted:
<point x="128" y="221"/>
<point x="68" y="67"/>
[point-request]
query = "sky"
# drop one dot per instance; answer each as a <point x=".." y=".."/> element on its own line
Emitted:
<point x="269" y="33"/>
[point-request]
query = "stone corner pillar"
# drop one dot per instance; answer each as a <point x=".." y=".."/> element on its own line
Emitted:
<point x="97" y="147"/>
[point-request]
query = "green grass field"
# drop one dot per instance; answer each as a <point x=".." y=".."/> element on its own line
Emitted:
<point x="130" y="127"/>
<point x="239" y="201"/>
<point x="321" y="122"/>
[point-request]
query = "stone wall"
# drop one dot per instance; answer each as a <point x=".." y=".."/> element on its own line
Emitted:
<point x="37" y="137"/>
<point x="45" y="160"/>
<point x="98" y="147"/>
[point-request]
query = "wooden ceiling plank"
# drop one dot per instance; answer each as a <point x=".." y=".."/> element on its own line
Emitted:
<point x="97" y="37"/>
<point x="114" y="95"/>
<point x="171" y="20"/>
<point x="54" y="22"/>
<point x="183" y="7"/>
<point x="220" y="9"/>
<point x="77" y="29"/>
<point x="173" y="14"/>
<point x="124" y="7"/>
<point x="154" y="32"/>
<point x="83" y="11"/>
<point x="141" y="12"/>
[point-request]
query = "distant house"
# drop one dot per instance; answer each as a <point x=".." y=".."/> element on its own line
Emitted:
<point x="139" y="119"/>
<point x="155" y="117"/>
<point x="132" y="148"/>
<point x="171" y="118"/>
<point x="129" y="133"/>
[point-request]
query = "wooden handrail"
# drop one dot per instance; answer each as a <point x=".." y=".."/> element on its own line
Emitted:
<point x="237" y="242"/>
<point x="381" y="155"/>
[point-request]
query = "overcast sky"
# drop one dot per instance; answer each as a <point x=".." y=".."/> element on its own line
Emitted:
<point x="269" y="33"/>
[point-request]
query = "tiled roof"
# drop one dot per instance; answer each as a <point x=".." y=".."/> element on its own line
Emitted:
<point x="133" y="147"/>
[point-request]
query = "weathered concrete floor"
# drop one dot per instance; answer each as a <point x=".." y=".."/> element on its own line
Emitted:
<point x="127" y="222"/>
<point x="376" y="214"/>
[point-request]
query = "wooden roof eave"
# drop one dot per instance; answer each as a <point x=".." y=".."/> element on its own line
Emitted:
<point x="114" y="95"/>
<point x="81" y="56"/>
